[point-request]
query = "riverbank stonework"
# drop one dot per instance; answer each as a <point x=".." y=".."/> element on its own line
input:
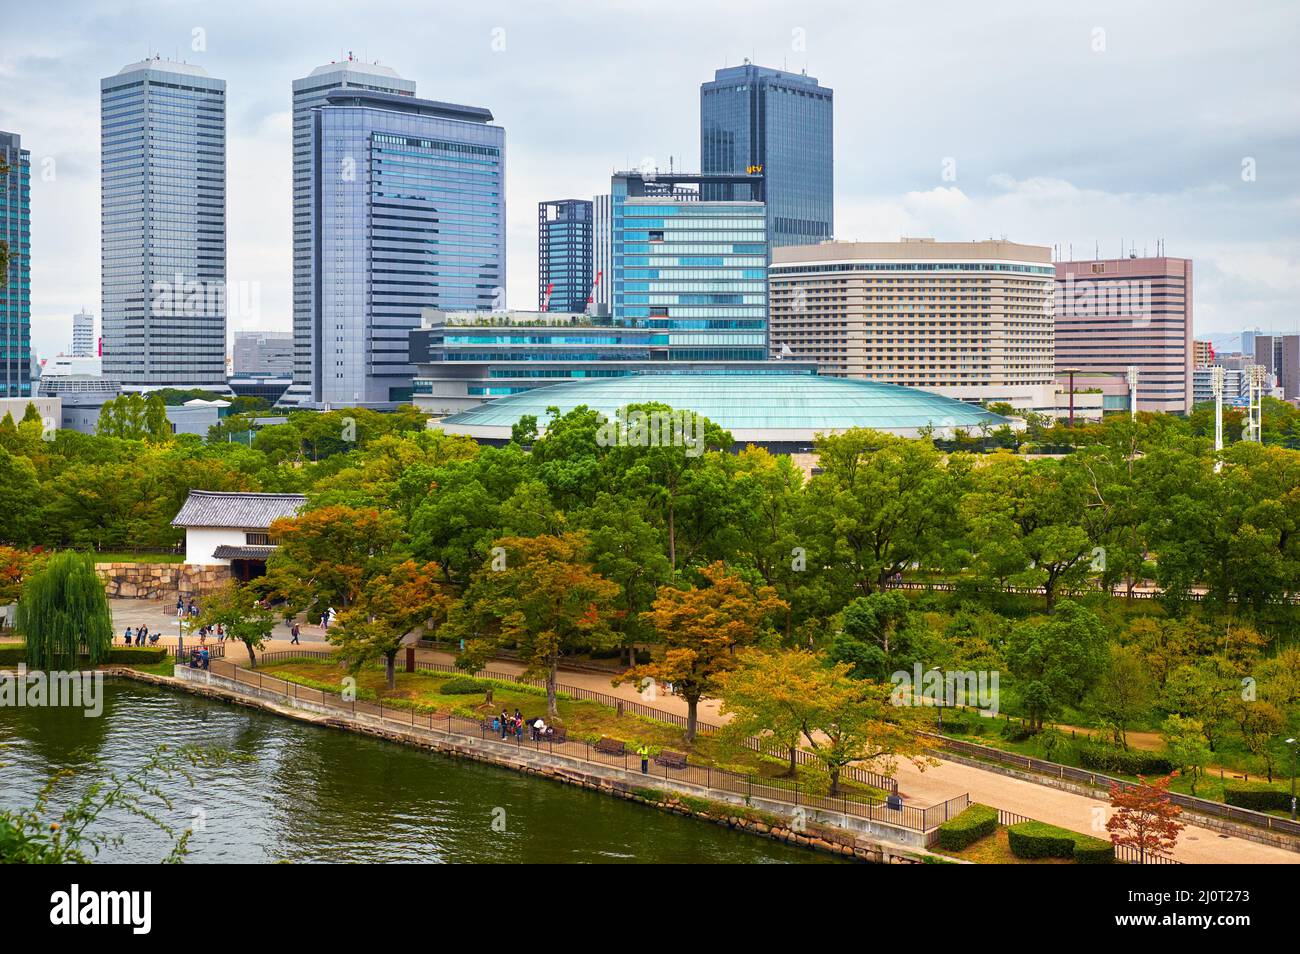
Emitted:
<point x="155" y="581"/>
<point x="768" y="820"/>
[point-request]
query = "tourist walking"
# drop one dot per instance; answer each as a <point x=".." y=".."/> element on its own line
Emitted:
<point x="293" y="631"/>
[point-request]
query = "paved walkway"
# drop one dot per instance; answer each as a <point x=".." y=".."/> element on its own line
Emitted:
<point x="934" y="785"/>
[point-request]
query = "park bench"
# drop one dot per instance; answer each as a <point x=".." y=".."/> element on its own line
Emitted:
<point x="672" y="760"/>
<point x="611" y="747"/>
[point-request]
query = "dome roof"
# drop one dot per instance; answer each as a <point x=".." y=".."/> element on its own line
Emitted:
<point x="760" y="408"/>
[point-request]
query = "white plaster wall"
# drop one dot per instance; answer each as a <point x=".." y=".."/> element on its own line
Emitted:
<point x="201" y="541"/>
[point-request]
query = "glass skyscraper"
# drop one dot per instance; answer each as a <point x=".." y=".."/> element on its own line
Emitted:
<point x="16" y="289"/>
<point x="696" y="269"/>
<point x="408" y="213"/>
<point x="163" y="240"/>
<point x="564" y="236"/>
<point x="308" y="93"/>
<point x="779" y="124"/>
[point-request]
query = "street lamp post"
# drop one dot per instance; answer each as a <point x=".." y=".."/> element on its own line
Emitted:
<point x="1132" y="376"/>
<point x="1294" y="747"/>
<point x="1216" y="385"/>
<point x="943" y="692"/>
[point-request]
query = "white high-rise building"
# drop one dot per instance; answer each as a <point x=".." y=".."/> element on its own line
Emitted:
<point x="968" y="320"/>
<point x="163" y="225"/>
<point x="309" y="92"/>
<point x="602" y="250"/>
<point x="83" y="335"/>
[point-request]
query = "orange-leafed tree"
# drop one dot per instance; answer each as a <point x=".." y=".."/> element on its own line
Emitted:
<point x="541" y="595"/>
<point x="408" y="598"/>
<point x="700" y="628"/>
<point x="1145" y="818"/>
<point x="326" y="556"/>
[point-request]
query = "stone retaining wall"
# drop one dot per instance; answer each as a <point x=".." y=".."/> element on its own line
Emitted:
<point x="153" y="581"/>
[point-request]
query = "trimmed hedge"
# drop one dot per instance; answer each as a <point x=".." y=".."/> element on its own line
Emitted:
<point x="1035" y="839"/>
<point x="11" y="654"/>
<point x="463" y="686"/>
<point x="976" y="822"/>
<point x="1116" y="761"/>
<point x="1258" y="796"/>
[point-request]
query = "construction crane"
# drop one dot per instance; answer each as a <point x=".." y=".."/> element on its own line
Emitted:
<point x="546" y="301"/>
<point x="591" y="295"/>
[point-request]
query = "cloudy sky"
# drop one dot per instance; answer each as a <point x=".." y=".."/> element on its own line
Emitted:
<point x="1122" y="122"/>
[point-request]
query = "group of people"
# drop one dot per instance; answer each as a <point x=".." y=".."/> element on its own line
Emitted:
<point x="507" y="725"/>
<point x="184" y="608"/>
<point x="138" y="636"/>
<point x="200" y="658"/>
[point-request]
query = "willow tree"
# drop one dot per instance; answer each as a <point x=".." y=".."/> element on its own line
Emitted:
<point x="63" y="613"/>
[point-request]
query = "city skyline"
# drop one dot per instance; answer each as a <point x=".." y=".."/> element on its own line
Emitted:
<point x="1084" y="157"/>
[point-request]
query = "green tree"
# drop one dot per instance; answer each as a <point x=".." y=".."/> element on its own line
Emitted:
<point x="772" y="696"/>
<point x="64" y="611"/>
<point x="20" y="499"/>
<point x="241" y="614"/>
<point x="882" y="504"/>
<point x="541" y="595"/>
<point x="1122" y="693"/>
<point x="1187" y="747"/>
<point x="1054" y="661"/>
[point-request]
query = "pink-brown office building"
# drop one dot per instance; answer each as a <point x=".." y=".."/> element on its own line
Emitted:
<point x="1120" y="312"/>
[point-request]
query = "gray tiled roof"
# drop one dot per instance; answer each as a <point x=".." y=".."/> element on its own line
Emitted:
<point x="229" y="552"/>
<point x="246" y="511"/>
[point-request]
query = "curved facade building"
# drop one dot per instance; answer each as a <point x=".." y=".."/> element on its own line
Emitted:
<point x="784" y="412"/>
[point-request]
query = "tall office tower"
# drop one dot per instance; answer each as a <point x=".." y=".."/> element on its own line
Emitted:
<point x="695" y="269"/>
<point x="1280" y="354"/>
<point x="163" y="172"/>
<point x="262" y="353"/>
<point x="408" y="213"/>
<point x="1117" y="313"/>
<point x="308" y="93"/>
<point x="780" y="124"/>
<point x="16" y="287"/>
<point x="564" y="255"/>
<point x="969" y="320"/>
<point x="1248" y="342"/>
<point x="83" y="335"/>
<point x="602" y="252"/>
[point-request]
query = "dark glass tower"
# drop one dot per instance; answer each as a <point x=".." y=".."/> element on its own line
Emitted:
<point x="779" y="124"/>
<point x="564" y="235"/>
<point x="16" y="286"/>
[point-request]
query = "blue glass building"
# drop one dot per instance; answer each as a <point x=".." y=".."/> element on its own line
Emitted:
<point x="694" y="269"/>
<point x="16" y="288"/>
<point x="163" y="225"/>
<point x="408" y="213"/>
<point x="309" y="92"/>
<point x="564" y="249"/>
<point x="753" y="118"/>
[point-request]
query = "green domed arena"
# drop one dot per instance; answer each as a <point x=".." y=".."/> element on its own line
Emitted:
<point x="781" y="411"/>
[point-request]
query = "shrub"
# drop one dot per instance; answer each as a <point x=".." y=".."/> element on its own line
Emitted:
<point x="1093" y="851"/>
<point x="1117" y="761"/>
<point x="462" y="686"/>
<point x="1256" y="796"/>
<point x="1016" y="731"/>
<point x="1035" y="839"/>
<point x="11" y="654"/>
<point x="976" y="822"/>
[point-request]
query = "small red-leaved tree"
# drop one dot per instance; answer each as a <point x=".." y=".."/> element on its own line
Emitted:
<point x="1145" y="818"/>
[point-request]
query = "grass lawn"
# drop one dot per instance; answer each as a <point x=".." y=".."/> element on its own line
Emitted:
<point x="584" y="720"/>
<point x="994" y="850"/>
<point x="139" y="557"/>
